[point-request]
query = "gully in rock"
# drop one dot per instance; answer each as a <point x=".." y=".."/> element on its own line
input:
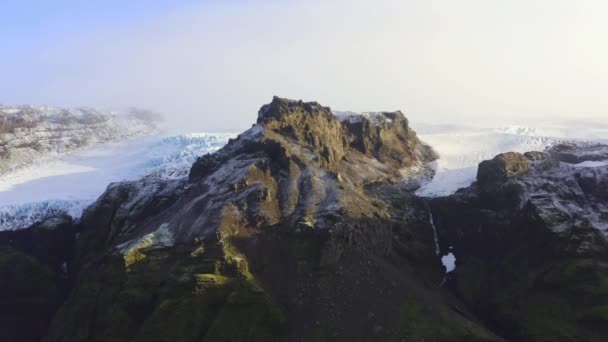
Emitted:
<point x="448" y="260"/>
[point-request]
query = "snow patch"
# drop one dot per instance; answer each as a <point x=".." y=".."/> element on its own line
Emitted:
<point x="591" y="163"/>
<point x="376" y="118"/>
<point x="449" y="262"/>
<point x="161" y="237"/>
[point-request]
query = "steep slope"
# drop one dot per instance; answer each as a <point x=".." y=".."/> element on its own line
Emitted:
<point x="35" y="267"/>
<point x="302" y="228"/>
<point x="530" y="240"/>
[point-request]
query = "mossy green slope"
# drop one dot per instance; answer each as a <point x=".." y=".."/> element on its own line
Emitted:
<point x="168" y="295"/>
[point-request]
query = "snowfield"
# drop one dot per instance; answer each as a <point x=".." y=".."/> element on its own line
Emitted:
<point x="462" y="148"/>
<point x="68" y="183"/>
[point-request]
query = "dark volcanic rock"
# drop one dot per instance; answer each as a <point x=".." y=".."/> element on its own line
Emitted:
<point x="35" y="266"/>
<point x="310" y="125"/>
<point x="533" y="252"/>
<point x="501" y="168"/>
<point x="574" y="154"/>
<point x="535" y="155"/>
<point x="387" y="137"/>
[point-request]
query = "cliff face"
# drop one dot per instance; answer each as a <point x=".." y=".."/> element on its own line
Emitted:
<point x="28" y="133"/>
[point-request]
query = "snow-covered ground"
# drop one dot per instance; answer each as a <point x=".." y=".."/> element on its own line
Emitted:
<point x="461" y="148"/>
<point x="30" y="133"/>
<point x="69" y="182"/>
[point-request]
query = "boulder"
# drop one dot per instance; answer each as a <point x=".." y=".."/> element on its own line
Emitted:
<point x="535" y="155"/>
<point x="502" y="167"/>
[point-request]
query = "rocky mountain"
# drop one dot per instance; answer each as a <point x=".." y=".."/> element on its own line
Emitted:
<point x="530" y="240"/>
<point x="306" y="227"/>
<point x="28" y="133"/>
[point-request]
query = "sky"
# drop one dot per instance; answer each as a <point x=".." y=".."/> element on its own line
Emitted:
<point x="210" y="65"/>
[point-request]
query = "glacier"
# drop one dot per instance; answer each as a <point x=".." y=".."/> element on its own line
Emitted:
<point x="462" y="147"/>
<point x="66" y="183"/>
<point x="30" y="133"/>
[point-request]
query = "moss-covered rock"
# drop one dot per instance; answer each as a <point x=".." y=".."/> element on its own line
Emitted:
<point x="167" y="295"/>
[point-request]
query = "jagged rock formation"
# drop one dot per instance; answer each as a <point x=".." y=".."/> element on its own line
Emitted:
<point x="28" y="133"/>
<point x="532" y="248"/>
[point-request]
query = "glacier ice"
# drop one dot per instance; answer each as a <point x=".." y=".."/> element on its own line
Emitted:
<point x="68" y="183"/>
<point x="461" y="148"/>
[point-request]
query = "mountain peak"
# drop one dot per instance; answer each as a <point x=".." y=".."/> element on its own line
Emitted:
<point x="314" y="133"/>
<point x="282" y="107"/>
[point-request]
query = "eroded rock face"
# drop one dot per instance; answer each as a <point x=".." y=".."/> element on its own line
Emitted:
<point x="535" y="155"/>
<point x="532" y="248"/>
<point x="300" y="164"/>
<point x="501" y="168"/>
<point x="311" y="125"/>
<point x="385" y="136"/>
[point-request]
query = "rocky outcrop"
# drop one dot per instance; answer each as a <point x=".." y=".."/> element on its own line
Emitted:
<point x="309" y="125"/>
<point x="28" y="133"/>
<point x="385" y="136"/>
<point x="501" y="168"/>
<point x="574" y="154"/>
<point x="532" y="249"/>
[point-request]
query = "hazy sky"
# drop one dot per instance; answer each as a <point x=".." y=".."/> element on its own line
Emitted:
<point x="210" y="65"/>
